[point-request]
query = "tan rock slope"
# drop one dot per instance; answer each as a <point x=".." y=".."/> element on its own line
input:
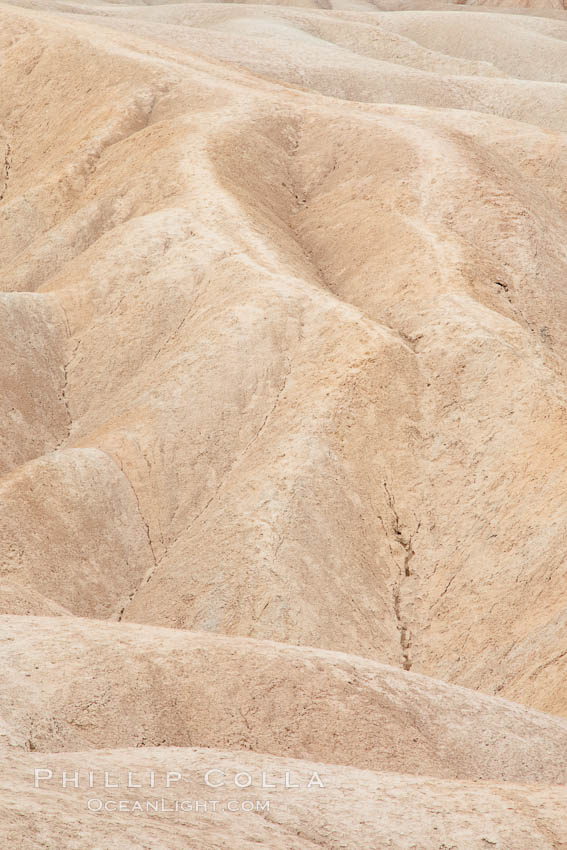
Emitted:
<point x="354" y="808"/>
<point x="283" y="341"/>
<point x="73" y="685"/>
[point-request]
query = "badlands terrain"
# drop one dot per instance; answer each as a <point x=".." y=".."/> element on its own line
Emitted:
<point x="283" y="424"/>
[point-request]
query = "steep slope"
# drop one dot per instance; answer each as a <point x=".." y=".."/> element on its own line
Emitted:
<point x="283" y="358"/>
<point x="293" y="381"/>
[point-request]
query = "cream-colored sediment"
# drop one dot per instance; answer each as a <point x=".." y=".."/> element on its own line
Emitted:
<point x="283" y="341"/>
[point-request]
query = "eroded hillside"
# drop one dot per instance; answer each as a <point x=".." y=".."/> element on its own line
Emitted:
<point x="283" y="330"/>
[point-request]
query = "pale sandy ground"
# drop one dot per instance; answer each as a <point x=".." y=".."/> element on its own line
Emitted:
<point x="283" y="340"/>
